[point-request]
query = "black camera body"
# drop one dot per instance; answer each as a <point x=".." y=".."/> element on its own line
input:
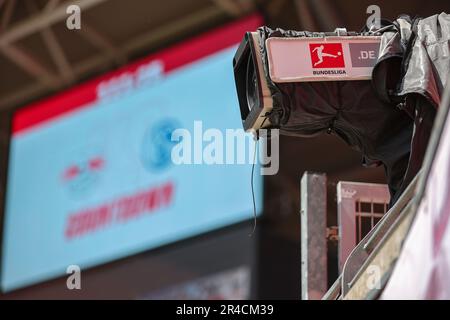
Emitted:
<point x="306" y="83"/>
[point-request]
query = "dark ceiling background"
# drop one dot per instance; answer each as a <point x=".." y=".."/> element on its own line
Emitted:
<point x="39" y="57"/>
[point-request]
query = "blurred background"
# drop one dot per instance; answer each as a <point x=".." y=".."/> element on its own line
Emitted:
<point x="57" y="93"/>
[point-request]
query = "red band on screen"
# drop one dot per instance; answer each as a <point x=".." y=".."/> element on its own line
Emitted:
<point x="85" y="95"/>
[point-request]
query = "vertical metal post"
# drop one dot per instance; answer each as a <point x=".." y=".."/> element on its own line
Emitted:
<point x="313" y="220"/>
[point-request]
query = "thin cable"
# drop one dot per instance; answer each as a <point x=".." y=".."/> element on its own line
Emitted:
<point x="253" y="189"/>
<point x="251" y="181"/>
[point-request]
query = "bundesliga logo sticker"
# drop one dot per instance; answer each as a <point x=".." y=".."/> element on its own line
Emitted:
<point x="327" y="55"/>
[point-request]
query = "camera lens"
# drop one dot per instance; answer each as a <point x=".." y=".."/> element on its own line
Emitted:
<point x="251" y="82"/>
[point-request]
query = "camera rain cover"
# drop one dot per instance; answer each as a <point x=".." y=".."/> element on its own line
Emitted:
<point x="327" y="102"/>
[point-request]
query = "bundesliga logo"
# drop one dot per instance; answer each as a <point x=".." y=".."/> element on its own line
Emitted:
<point x="327" y="55"/>
<point x="82" y="174"/>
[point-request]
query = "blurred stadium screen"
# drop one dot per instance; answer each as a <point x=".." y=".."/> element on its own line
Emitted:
<point x="90" y="177"/>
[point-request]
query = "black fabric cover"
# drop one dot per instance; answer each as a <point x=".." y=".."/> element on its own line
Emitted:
<point x="388" y="119"/>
